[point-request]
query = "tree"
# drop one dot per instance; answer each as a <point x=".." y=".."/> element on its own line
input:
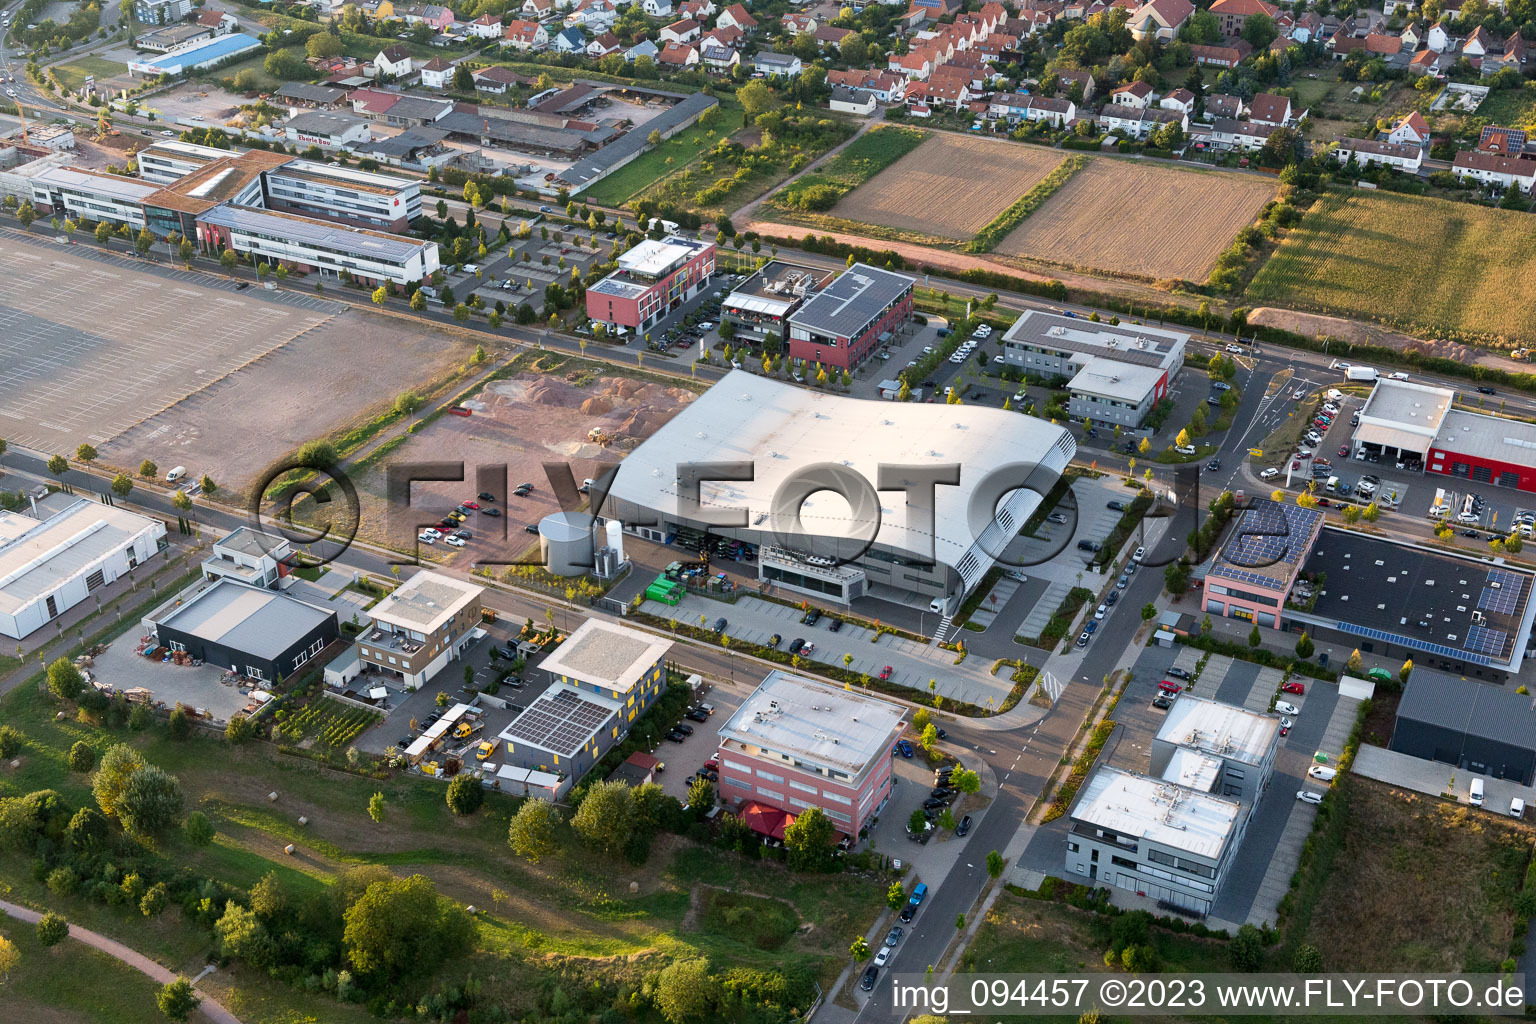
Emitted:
<point x="26" y="214"/>
<point x="1304" y="646"/>
<point x="809" y="840"/>
<point x="965" y="780"/>
<point x="58" y="465"/>
<point x="184" y="251"/>
<point x="701" y="797"/>
<point x="1307" y="960"/>
<point x="240" y="933"/>
<point x="323" y="44"/>
<point x="995" y="864"/>
<point x="895" y="896"/>
<point x="143" y="242"/>
<point x="1202" y="29"/>
<point x="154" y="901"/>
<point x="227" y="259"/>
<point x="465" y="794"/>
<point x="199" y="829"/>
<point x="380" y="295"/>
<point x="1259" y="30"/>
<point x="1406" y="671"/>
<point x="150" y="802"/>
<point x="64" y="680"/>
<point x="534" y="832"/>
<point x="103" y="232"/>
<point x="1182" y="440"/>
<point x="9" y="958"/>
<point x="399" y="928"/>
<point x="316" y="455"/>
<point x="88" y="831"/>
<point x="82" y="757"/>
<point x="1354" y="664"/>
<point x="930" y="737"/>
<point x="376" y="807"/>
<point x="177" y="1000"/>
<point x="122" y="484"/>
<point x="654" y="138"/>
<point x="1255" y="638"/>
<point x="755" y="98"/>
<point x="178" y="724"/>
<point x="685" y="992"/>
<point x="1148" y="612"/>
<point x="239" y="729"/>
<point x="604" y="817"/>
<point x="463" y="79"/>
<point x="1246" y="948"/>
<point x="418" y="301"/>
<point x="52" y="929"/>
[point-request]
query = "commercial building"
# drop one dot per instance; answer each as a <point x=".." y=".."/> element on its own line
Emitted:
<point x="1406" y="421"/>
<point x="796" y="743"/>
<point x="1401" y="419"/>
<point x="331" y="129"/>
<point x="160" y="12"/>
<point x="1173" y="835"/>
<point x="564" y="731"/>
<point x="251" y="557"/>
<point x="165" y="39"/>
<point x="1116" y="374"/>
<point x="196" y="55"/>
<point x="615" y="662"/>
<point x="845" y="322"/>
<point x="1252" y="576"/>
<point x="1397" y="601"/>
<point x="256" y="632"/>
<point x="304" y="96"/>
<point x="760" y="306"/>
<point x="94" y="195"/>
<point x="653" y="278"/>
<point x="371" y="257"/>
<point x="52" y="137"/>
<point x="344" y="194"/>
<point x="930" y="549"/>
<point x="426" y="622"/>
<point x="169" y="160"/>
<point x="1470" y="725"/>
<point x="66" y="550"/>
<point x="627" y="147"/>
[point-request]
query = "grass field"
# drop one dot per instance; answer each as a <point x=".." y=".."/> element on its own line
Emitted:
<point x="671" y="155"/>
<point x="72" y="982"/>
<point x="951" y="186"/>
<point x="1424" y="266"/>
<point x="264" y="81"/>
<point x="72" y="75"/>
<point x="1512" y="108"/>
<point x="1143" y="219"/>
<point x="860" y="160"/>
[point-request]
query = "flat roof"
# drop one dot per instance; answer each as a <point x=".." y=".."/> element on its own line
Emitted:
<point x="402" y="145"/>
<point x="201" y="52"/>
<point x="814" y="723"/>
<point x="527" y="132"/>
<point x="425" y="601"/>
<point x="1191" y="768"/>
<point x="1113" y="378"/>
<point x="115" y="186"/>
<point x="1487" y="437"/>
<point x="1220" y="730"/>
<point x="319" y="233"/>
<point x="1405" y="405"/>
<point x="250" y="541"/>
<point x="847" y="305"/>
<point x="1267" y="544"/>
<point x="189" y="152"/>
<point x="562" y="721"/>
<point x="585" y="171"/>
<point x="312" y="93"/>
<point x="781" y="429"/>
<point x="1123" y="342"/>
<point x="324" y="122"/>
<point x="1384" y="590"/>
<point x="38" y="555"/>
<point x="1480" y="709"/>
<point x="346" y="177"/>
<point x="775" y="287"/>
<point x="1159" y="811"/>
<point x="657" y="258"/>
<point x="605" y="654"/>
<point x="261" y="623"/>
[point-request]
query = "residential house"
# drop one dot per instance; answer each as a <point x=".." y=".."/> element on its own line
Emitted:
<point x="1495" y="139"/>
<point x="718" y="57"/>
<point x="1057" y="111"/>
<point x="851" y="101"/>
<point x="1133" y="94"/>
<point x="1341" y="45"/>
<point x="795" y="22"/>
<point x="657" y="8"/>
<point x="1414" y="35"/>
<point x="1160" y="19"/>
<point x="727" y="35"/>
<point x="1496" y="169"/>
<point x="1381" y="44"/>
<point x="487" y="26"/>
<point x="644" y="48"/>
<point x="1223" y="56"/>
<point x="678" y="55"/>
<point x="439" y="18"/>
<point x="1425" y="62"/>
<point x="525" y="35"/>
<point x="699" y="10"/>
<point x="1411" y="130"/>
<point x="775" y="64"/>
<point x="601" y="46"/>
<point x="736" y="16"/>
<point x="1307" y="27"/>
<point x="884" y="86"/>
<point x="1517" y="53"/>
<point x="394" y="61"/>
<point x="1066" y="77"/>
<point x="1267" y="108"/>
<point x="1368" y="152"/>
<point x="1246" y="135"/>
<point x="496" y="79"/>
<point x="1223" y="105"/>
<point x="831" y="35"/>
<point x="1233" y="14"/>
<point x="1440" y="38"/>
<point x="1179" y="99"/>
<point x="538" y="9"/>
<point x="685" y="31"/>
<point x="1138" y="122"/>
<point x="219" y="23"/>
<point x="915" y="65"/>
<point x="436" y="73"/>
<point x="1481" y="43"/>
<point x="414" y="632"/>
<point x="596" y="15"/>
<point x="569" y="40"/>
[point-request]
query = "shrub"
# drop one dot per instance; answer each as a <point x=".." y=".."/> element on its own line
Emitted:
<point x="465" y="794"/>
<point x="11" y="740"/>
<point x="82" y="756"/>
<point x="52" y="929"/>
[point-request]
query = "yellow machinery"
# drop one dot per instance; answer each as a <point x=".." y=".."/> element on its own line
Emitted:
<point x="429" y="768"/>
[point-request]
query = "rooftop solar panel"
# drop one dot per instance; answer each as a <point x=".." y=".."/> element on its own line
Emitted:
<point x="1484" y="640"/>
<point x="560" y="721"/>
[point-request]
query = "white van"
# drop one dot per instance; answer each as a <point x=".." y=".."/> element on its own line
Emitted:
<point x="1333" y="484"/>
<point x="1517" y="808"/>
<point x="1475" y="794"/>
<point x="175" y="474"/>
<point x="1334" y="395"/>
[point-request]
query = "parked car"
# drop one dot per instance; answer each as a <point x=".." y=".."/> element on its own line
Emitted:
<point x="1306" y="796"/>
<point x="1162" y="703"/>
<point x="1296" y="688"/>
<point x="963" y="829"/>
<point x="809" y="648"/>
<point x="812" y="617"/>
<point x="1058" y="518"/>
<point x="882" y="956"/>
<point x="894" y="935"/>
<point x="494" y="513"/>
<point x="455" y="541"/>
<point x="904" y="748"/>
<point x="1286" y="708"/>
<point x="675" y="736"/>
<point x="867" y="983"/>
<point x="1138" y="554"/>
<point x="1285" y="726"/>
<point x="1082" y="641"/>
<point x="1179" y="673"/>
<point x="523" y="490"/>
<point x="795" y="645"/>
<point x="1088" y="545"/>
<point x="885" y="674"/>
<point x="531" y="528"/>
<point x="696" y="715"/>
<point x="775" y="640"/>
<point x="1184" y="449"/>
<point x="1323" y="772"/>
<point x="1116" y="505"/>
<point x="1269" y="474"/>
<point x="834" y="624"/>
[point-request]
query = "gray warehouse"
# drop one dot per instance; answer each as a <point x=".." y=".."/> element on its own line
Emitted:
<point x="1481" y="728"/>
<point x="259" y="633"/>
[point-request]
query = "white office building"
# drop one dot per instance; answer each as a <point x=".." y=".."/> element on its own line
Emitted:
<point x="343" y="193"/>
<point x="76" y="192"/>
<point x="318" y="246"/>
<point x="249" y="556"/>
<point x="65" y="551"/>
<point x="170" y="160"/>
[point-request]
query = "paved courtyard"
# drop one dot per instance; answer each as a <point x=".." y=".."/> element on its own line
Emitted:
<point x="199" y="687"/>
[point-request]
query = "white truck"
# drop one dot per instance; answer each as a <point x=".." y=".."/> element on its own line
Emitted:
<point x="1361" y="373"/>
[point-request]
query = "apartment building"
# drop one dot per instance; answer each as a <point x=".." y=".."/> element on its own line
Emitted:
<point x="426" y="622"/>
<point x="653" y="278"/>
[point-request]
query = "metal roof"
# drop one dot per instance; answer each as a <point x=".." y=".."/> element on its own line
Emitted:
<point x="814" y="724"/>
<point x="1162" y="812"/>
<point x="311" y="93"/>
<point x="1124" y="342"/>
<point x="588" y="170"/>
<point x="607" y="655"/>
<point x="217" y="48"/>
<point x="289" y="227"/>
<point x="1475" y="708"/>
<point x="324" y="122"/>
<point x="115" y="186"/>
<point x="36" y="556"/>
<point x="1487" y="437"/>
<point x="1222" y="730"/>
<point x="845" y="307"/>
<point x="254" y="621"/>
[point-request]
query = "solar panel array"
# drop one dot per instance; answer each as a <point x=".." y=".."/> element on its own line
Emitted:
<point x="560" y="721"/>
<point x="1263" y="538"/>
<point x="1413" y="642"/>
<point x="1484" y="640"/>
<point x="1508" y="597"/>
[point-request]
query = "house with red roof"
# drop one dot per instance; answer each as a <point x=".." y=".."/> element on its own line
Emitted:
<point x="525" y="35"/>
<point x="736" y="16"/>
<point x="1160" y="19"/>
<point x="1233" y="14"/>
<point x="678" y="55"/>
<point x="1412" y="129"/>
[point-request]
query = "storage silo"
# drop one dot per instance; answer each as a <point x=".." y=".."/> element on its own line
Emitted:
<point x="565" y="543"/>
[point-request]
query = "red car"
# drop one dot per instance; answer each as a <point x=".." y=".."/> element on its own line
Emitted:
<point x="472" y="504"/>
<point x="1343" y="451"/>
<point x="885" y="674"/>
<point x="1325" y="503"/>
<point x="1296" y="465"/>
<point x="1169" y="687"/>
<point x="1297" y="688"/>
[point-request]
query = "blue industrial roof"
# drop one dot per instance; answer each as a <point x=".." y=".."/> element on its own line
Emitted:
<point x="201" y="53"/>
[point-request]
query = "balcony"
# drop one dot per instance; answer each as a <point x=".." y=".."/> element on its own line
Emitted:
<point x="388" y="640"/>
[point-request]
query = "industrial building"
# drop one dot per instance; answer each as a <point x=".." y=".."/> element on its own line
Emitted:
<point x="761" y="305"/>
<point x="796" y="743"/>
<point x="930" y="549"/>
<point x="64" y="551"/>
<point x="627" y="147"/>
<point x="426" y="622"/>
<point x="256" y="632"/>
<point x="653" y="278"/>
<point x="195" y="56"/>
<point x="1116" y="374"/>
<point x="329" y="129"/>
<point x="1470" y="725"/>
<point x="1253" y="574"/>
<point x="844" y="323"/>
<point x="1409" y="422"/>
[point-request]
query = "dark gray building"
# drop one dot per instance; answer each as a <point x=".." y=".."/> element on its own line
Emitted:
<point x="1481" y="728"/>
<point x="259" y="633"/>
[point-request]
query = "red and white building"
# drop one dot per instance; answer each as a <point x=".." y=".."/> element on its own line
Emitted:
<point x="844" y="323"/>
<point x="796" y="743"/>
<point x="653" y="278"/>
<point x="1252" y="575"/>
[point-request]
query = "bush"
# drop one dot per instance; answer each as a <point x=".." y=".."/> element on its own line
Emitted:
<point x="199" y="829"/>
<point x="64" y="680"/>
<point x="82" y="756"/>
<point x="52" y="929"/>
<point x="180" y="725"/>
<point x="11" y="740"/>
<point x="465" y="795"/>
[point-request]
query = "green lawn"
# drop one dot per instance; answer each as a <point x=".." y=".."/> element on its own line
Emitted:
<point x="673" y="154"/>
<point x="72" y="75"/>
<point x="1510" y="108"/>
<point x="264" y="81"/>
<point x="71" y="981"/>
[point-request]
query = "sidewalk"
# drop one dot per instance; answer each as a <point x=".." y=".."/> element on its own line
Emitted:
<point x="211" y="1008"/>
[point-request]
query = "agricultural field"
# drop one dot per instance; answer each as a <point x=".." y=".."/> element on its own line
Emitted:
<point x="1423" y="266"/>
<point x="950" y="186"/>
<point x="328" y="723"/>
<point x="860" y="160"/>
<point x="1141" y="219"/>
<point x="673" y="154"/>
